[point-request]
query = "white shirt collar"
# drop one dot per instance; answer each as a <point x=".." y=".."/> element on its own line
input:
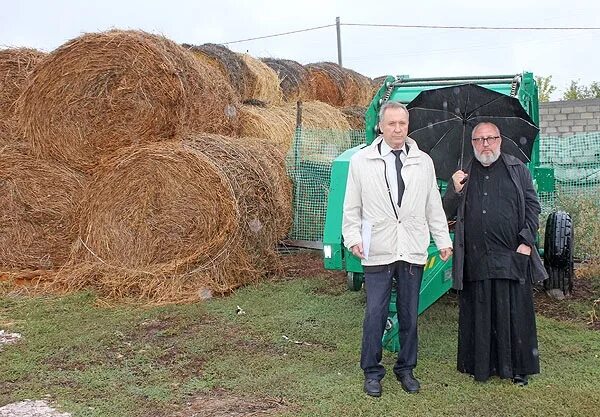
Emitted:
<point x="386" y="149"/>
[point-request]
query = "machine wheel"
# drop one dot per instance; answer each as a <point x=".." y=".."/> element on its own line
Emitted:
<point x="558" y="252"/>
<point x="354" y="280"/>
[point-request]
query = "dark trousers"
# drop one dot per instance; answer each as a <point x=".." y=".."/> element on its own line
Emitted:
<point x="378" y="285"/>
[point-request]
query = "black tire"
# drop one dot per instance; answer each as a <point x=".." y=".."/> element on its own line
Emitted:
<point x="558" y="252"/>
<point x="354" y="280"/>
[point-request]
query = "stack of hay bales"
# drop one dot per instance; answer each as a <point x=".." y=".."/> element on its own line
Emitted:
<point x="16" y="64"/>
<point x="189" y="216"/>
<point x="133" y="209"/>
<point x="103" y="91"/>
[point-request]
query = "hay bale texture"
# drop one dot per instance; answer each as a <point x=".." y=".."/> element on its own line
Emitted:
<point x="277" y="124"/>
<point x="355" y="115"/>
<point x="294" y="79"/>
<point x="16" y="64"/>
<point x="262" y="82"/>
<point x="230" y="64"/>
<point x="339" y="86"/>
<point x="168" y="221"/>
<point x="329" y="82"/>
<point x="38" y="203"/>
<point x="104" y="91"/>
<point x="359" y="91"/>
<point x="256" y="170"/>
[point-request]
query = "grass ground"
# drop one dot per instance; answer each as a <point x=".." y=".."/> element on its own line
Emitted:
<point x="293" y="352"/>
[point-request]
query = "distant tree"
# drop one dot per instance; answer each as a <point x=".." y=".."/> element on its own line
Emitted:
<point x="595" y="89"/>
<point x="545" y="87"/>
<point x="578" y="92"/>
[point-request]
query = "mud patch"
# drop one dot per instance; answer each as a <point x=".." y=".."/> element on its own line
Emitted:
<point x="583" y="292"/>
<point x="221" y="403"/>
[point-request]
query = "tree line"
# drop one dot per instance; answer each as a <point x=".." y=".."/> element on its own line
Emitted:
<point x="576" y="91"/>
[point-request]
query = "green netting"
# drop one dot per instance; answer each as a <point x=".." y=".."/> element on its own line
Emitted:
<point x="576" y="164"/>
<point x="309" y="166"/>
<point x="574" y="159"/>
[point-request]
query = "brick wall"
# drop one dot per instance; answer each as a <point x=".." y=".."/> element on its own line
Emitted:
<point x="564" y="118"/>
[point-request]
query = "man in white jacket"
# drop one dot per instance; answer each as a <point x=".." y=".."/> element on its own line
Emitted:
<point x="392" y="205"/>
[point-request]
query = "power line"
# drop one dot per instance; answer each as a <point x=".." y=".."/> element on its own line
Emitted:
<point x="419" y="27"/>
<point x="473" y="27"/>
<point x="279" y="34"/>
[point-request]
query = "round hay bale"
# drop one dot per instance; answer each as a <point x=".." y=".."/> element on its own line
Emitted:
<point x="15" y="67"/>
<point x="103" y="91"/>
<point x="262" y="82"/>
<point x="256" y="171"/>
<point x="156" y="223"/>
<point x="359" y="91"/>
<point x="355" y="115"/>
<point x="294" y="79"/>
<point x="38" y="202"/>
<point x="273" y="123"/>
<point x="277" y="124"/>
<point x="329" y="82"/>
<point x="229" y="63"/>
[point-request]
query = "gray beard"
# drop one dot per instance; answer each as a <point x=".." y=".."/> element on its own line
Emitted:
<point x="487" y="160"/>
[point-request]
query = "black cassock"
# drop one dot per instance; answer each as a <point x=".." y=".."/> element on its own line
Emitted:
<point x="497" y="330"/>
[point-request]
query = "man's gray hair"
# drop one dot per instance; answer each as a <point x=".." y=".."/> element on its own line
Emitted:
<point x="391" y="105"/>
<point x="484" y="123"/>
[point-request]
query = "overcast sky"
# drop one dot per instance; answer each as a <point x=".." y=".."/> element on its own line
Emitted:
<point x="565" y="55"/>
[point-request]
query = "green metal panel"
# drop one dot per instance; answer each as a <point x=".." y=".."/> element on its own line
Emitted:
<point x="544" y="179"/>
<point x="332" y="234"/>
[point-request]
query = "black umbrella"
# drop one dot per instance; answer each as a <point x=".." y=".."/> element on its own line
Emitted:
<point x="441" y="121"/>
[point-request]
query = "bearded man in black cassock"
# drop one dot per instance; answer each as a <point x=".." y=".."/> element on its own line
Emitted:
<point x="495" y="261"/>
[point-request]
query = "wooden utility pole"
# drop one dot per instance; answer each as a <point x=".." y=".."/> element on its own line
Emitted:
<point x="339" y="40"/>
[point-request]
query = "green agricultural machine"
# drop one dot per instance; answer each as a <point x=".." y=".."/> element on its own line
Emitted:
<point x="437" y="277"/>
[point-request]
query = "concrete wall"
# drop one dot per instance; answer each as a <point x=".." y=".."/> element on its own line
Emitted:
<point x="565" y="118"/>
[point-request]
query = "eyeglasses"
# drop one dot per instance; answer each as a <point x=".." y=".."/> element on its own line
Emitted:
<point x="490" y="140"/>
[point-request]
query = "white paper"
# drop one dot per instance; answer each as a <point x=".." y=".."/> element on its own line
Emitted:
<point x="365" y="233"/>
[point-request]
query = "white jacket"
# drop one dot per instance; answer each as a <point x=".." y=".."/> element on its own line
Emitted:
<point x="404" y="234"/>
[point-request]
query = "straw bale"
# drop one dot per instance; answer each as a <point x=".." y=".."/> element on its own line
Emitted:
<point x="229" y="63"/>
<point x="256" y="171"/>
<point x="355" y="115"/>
<point x="273" y="123"/>
<point x="103" y="91"/>
<point x="152" y="223"/>
<point x="329" y="82"/>
<point x="294" y="79"/>
<point x="16" y="64"/>
<point x="262" y="82"/>
<point x="277" y="124"/>
<point x="359" y="91"/>
<point x="38" y="202"/>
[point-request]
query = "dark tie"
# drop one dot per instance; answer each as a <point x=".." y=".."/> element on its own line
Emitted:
<point x="399" y="176"/>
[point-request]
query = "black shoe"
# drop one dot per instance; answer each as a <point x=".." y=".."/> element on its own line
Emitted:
<point x="373" y="387"/>
<point x="520" y="380"/>
<point x="409" y="383"/>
